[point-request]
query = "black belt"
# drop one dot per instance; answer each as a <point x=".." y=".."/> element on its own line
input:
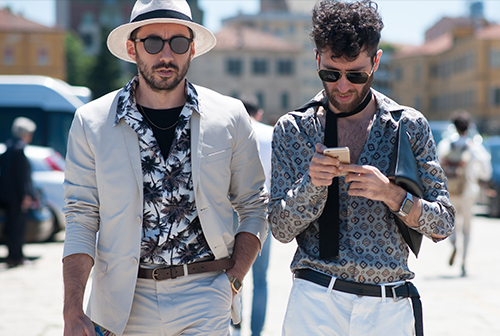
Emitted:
<point x="172" y="272"/>
<point x="397" y="292"/>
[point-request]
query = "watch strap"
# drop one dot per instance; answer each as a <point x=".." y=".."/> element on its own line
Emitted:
<point x="408" y="201"/>
<point x="236" y="284"/>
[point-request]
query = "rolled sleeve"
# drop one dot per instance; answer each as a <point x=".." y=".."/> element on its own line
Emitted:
<point x="82" y="203"/>
<point x="295" y="201"/>
<point x="248" y="194"/>
<point x="438" y="214"/>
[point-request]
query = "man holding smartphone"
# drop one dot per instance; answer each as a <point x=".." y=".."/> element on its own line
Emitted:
<point x="351" y="265"/>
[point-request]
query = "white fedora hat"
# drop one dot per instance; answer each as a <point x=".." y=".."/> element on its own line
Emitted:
<point x="159" y="11"/>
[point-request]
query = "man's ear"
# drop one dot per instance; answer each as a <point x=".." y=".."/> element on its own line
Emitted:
<point x="377" y="59"/>
<point x="131" y="51"/>
<point x="193" y="50"/>
<point x="316" y="56"/>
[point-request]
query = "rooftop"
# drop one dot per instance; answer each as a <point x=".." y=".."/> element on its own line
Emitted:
<point x="445" y="41"/>
<point x="236" y="38"/>
<point x="15" y="23"/>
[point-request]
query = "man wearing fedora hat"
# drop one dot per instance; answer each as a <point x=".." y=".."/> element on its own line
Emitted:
<point x="153" y="173"/>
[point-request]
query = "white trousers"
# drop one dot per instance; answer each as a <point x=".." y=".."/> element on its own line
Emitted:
<point x="463" y="205"/>
<point x="313" y="310"/>
<point x="197" y="304"/>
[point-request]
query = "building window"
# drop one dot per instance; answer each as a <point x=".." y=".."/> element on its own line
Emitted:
<point x="285" y="101"/>
<point x="398" y="74"/>
<point x="495" y="59"/>
<point x="418" y="73"/>
<point x="8" y="56"/>
<point x="259" y="66"/>
<point x="260" y="98"/>
<point x="495" y="97"/>
<point x="285" y="67"/>
<point x="42" y="57"/>
<point x="418" y="103"/>
<point x="234" y="66"/>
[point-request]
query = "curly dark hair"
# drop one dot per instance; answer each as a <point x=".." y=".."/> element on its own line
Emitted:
<point x="346" y="28"/>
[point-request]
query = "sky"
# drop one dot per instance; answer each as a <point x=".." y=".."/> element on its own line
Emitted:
<point x="405" y="21"/>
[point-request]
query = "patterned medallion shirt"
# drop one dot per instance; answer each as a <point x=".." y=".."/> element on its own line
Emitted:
<point x="371" y="248"/>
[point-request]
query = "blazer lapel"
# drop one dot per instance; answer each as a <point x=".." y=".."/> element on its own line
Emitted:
<point x="132" y="143"/>
<point x="196" y="139"/>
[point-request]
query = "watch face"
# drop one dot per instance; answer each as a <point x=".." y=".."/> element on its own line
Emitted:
<point x="407" y="206"/>
<point x="237" y="283"/>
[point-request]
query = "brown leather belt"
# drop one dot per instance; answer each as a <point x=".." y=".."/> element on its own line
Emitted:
<point x="172" y="272"/>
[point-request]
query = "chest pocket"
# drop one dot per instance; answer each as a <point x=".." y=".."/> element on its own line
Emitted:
<point x="218" y="155"/>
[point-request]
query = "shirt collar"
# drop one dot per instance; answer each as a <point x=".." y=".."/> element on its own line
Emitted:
<point x="127" y="103"/>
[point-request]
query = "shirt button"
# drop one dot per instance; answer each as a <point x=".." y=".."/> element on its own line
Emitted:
<point x="139" y="220"/>
<point x="134" y="261"/>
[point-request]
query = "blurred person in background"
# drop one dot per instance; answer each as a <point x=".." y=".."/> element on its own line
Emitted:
<point x="466" y="163"/>
<point x="259" y="268"/>
<point x="153" y="174"/>
<point x="16" y="188"/>
<point x="351" y="264"/>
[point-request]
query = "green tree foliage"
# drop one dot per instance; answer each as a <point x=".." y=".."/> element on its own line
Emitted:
<point x="78" y="64"/>
<point x="387" y="47"/>
<point x="106" y="75"/>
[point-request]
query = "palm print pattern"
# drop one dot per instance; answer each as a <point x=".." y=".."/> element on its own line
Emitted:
<point x="172" y="233"/>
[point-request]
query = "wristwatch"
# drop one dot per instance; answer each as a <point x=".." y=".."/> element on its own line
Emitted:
<point x="406" y="206"/>
<point x="235" y="283"/>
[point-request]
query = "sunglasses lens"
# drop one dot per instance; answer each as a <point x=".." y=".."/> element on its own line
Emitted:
<point x="179" y="44"/>
<point x="357" y="77"/>
<point x="153" y="45"/>
<point x="329" y="75"/>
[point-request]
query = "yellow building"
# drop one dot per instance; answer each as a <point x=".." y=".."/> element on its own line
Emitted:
<point x="29" y="48"/>
<point x="459" y="69"/>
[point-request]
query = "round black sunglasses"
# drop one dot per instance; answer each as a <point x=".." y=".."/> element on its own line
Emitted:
<point x="154" y="44"/>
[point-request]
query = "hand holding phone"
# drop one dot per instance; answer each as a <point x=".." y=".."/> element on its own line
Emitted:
<point x="340" y="153"/>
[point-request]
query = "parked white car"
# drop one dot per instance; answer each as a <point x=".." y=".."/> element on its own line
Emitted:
<point x="47" y="167"/>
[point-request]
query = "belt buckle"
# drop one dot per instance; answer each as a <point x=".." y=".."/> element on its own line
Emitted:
<point x="154" y="274"/>
<point x="394" y="296"/>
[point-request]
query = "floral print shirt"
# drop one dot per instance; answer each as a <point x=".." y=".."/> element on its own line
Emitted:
<point x="372" y="249"/>
<point x="172" y="233"/>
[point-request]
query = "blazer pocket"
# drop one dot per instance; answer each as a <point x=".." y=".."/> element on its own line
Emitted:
<point x="101" y="266"/>
<point x="218" y="155"/>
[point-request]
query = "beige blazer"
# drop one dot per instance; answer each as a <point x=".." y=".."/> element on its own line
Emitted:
<point x="104" y="193"/>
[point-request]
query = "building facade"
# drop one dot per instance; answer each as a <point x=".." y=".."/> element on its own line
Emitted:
<point x="459" y="69"/>
<point x="249" y="61"/>
<point x="294" y="29"/>
<point x="29" y="48"/>
<point x="89" y="17"/>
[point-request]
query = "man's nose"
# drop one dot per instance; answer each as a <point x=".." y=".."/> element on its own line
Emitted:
<point x="343" y="85"/>
<point x="166" y="53"/>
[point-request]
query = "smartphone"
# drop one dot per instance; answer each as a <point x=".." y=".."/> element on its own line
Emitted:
<point x="341" y="153"/>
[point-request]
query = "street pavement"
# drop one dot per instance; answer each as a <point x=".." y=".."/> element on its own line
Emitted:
<point x="31" y="295"/>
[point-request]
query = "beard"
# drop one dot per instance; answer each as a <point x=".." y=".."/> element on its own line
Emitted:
<point x="358" y="98"/>
<point x="162" y="84"/>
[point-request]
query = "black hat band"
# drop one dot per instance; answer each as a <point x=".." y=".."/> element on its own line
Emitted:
<point x="161" y="14"/>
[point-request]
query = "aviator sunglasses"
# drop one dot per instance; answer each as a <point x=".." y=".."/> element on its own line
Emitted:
<point x="355" y="77"/>
<point x="154" y="44"/>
